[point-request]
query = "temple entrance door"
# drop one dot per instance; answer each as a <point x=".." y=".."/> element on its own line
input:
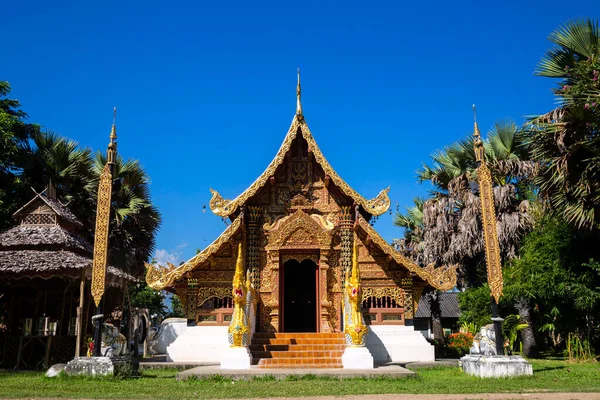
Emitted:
<point x="299" y="292"/>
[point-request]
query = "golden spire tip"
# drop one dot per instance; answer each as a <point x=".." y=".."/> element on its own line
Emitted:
<point x="298" y="97"/>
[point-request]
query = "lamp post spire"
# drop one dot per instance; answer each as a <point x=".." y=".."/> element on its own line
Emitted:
<point x="101" y="233"/>
<point x="298" y="97"/>
<point x="490" y="232"/>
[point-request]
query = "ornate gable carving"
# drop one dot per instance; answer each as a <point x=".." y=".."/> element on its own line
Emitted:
<point x="300" y="230"/>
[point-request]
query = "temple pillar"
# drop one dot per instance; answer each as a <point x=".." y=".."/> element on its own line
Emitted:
<point x="346" y="236"/>
<point x="252" y="256"/>
<point x="346" y="242"/>
<point x="325" y="324"/>
<point x="191" y="300"/>
<point x="274" y="301"/>
<point x="253" y="226"/>
<point x="407" y="287"/>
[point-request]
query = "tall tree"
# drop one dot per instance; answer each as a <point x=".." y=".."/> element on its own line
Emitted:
<point x="451" y="217"/>
<point x="412" y="222"/>
<point x="136" y="220"/>
<point x="566" y="141"/>
<point x="14" y="134"/>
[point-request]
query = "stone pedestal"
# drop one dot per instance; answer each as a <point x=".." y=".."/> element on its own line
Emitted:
<point x="495" y="366"/>
<point x="236" y="358"/>
<point x="357" y="358"/>
<point x="102" y="366"/>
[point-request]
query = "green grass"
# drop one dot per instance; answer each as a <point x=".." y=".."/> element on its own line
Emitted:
<point x="549" y="375"/>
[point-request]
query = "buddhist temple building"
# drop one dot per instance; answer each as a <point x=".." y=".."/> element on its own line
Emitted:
<point x="297" y="224"/>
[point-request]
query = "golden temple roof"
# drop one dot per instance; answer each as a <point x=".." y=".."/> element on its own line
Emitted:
<point x="158" y="278"/>
<point x="441" y="278"/>
<point x="224" y="208"/>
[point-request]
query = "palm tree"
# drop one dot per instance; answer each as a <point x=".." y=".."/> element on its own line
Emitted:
<point x="136" y="220"/>
<point x="566" y="141"/>
<point x="75" y="175"/>
<point x="412" y="222"/>
<point x="60" y="161"/>
<point x="451" y="220"/>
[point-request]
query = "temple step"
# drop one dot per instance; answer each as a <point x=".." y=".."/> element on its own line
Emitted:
<point x="297" y="350"/>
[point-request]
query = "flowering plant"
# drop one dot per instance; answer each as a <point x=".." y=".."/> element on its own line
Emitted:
<point x="460" y="340"/>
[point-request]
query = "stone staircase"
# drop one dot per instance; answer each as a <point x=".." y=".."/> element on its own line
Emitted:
<point x="297" y="350"/>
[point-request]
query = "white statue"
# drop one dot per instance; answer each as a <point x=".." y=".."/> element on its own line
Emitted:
<point x="484" y="342"/>
<point x="113" y="342"/>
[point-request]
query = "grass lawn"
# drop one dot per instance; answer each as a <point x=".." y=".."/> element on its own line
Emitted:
<point x="549" y="375"/>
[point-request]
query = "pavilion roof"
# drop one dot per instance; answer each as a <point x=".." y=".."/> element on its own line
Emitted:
<point x="49" y="247"/>
<point x="448" y="306"/>
<point x="46" y="263"/>
<point x="59" y="208"/>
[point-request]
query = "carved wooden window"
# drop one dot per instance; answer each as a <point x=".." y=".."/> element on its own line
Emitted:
<point x="215" y="311"/>
<point x="382" y="311"/>
<point x="39" y="219"/>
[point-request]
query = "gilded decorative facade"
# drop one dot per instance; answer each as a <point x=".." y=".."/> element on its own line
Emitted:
<point x="300" y="215"/>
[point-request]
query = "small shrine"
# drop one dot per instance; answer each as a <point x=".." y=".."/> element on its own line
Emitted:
<point x="298" y="225"/>
<point x="44" y="261"/>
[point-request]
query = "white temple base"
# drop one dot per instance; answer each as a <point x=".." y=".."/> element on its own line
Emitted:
<point x="398" y="343"/>
<point x="357" y="358"/>
<point x="495" y="366"/>
<point x="236" y="358"/>
<point x="201" y="344"/>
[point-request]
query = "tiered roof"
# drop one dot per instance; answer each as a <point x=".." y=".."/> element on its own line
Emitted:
<point x="47" y="242"/>
<point x="159" y="278"/>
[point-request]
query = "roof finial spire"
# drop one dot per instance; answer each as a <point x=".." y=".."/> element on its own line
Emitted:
<point x="112" y="145"/>
<point x="477" y="143"/>
<point x="298" y="97"/>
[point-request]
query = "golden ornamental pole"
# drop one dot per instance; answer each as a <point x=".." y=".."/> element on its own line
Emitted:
<point x="490" y="233"/>
<point x="101" y="234"/>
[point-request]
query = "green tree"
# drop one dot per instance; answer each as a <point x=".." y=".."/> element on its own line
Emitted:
<point x="143" y="296"/>
<point x="412" y="222"/>
<point x="14" y="134"/>
<point x="557" y="271"/>
<point x="176" y="307"/>
<point x="136" y="220"/>
<point x="451" y="216"/>
<point x="566" y="141"/>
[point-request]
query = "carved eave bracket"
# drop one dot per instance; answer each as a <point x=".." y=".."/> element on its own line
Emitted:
<point x="441" y="278"/>
<point x="159" y="277"/>
<point x="224" y="208"/>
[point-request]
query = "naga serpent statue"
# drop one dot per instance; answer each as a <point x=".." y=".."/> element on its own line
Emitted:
<point x="354" y="325"/>
<point x="239" y="332"/>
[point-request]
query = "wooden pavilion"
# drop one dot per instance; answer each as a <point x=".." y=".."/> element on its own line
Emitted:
<point x="44" y="259"/>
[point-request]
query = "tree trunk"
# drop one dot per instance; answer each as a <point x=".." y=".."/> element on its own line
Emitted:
<point x="436" y="314"/>
<point x="529" y="345"/>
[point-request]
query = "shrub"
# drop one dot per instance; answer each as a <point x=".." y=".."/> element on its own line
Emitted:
<point x="458" y="344"/>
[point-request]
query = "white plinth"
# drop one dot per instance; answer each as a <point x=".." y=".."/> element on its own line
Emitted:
<point x="236" y="358"/>
<point x="398" y="343"/>
<point x="202" y="344"/>
<point x="495" y="366"/>
<point x="357" y="358"/>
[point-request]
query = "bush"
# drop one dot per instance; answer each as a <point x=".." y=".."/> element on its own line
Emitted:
<point x="458" y="344"/>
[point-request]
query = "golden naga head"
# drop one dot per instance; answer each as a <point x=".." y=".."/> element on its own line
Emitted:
<point x="238" y="278"/>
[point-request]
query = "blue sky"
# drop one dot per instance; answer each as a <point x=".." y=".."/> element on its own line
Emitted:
<point x="205" y="91"/>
